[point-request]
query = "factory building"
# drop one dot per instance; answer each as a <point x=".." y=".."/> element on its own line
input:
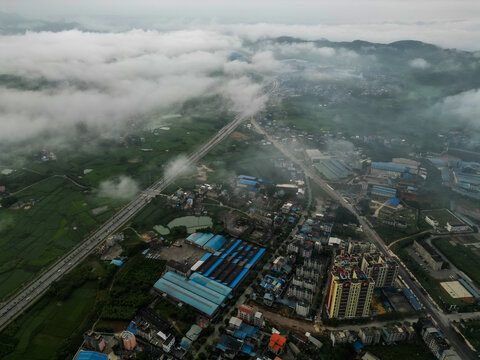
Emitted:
<point x="431" y="256"/>
<point x="390" y="169"/>
<point x="383" y="191"/>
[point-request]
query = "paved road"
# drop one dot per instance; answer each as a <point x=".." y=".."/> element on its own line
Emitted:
<point x="441" y="320"/>
<point x="29" y="293"/>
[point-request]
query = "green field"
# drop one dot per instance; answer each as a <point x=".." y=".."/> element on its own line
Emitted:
<point x="30" y="240"/>
<point x="413" y="351"/>
<point x="42" y="331"/>
<point x="471" y="330"/>
<point x="34" y="238"/>
<point x="431" y="285"/>
<point x="461" y="256"/>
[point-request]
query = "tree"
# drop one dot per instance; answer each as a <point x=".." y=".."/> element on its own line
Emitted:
<point x="8" y="201"/>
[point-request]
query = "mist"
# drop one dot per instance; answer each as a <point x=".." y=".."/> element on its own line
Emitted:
<point x="121" y="188"/>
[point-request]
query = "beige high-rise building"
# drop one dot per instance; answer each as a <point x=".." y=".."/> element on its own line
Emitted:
<point x="349" y="294"/>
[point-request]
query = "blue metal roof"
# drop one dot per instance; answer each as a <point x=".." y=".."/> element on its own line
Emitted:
<point x="211" y="284"/>
<point x="383" y="190"/>
<point x="90" y="355"/>
<point x="216" y="242"/>
<point x="389" y="166"/>
<point x="393" y="201"/>
<point x="200" y="238"/>
<point x="194" y="287"/>
<point x="469" y="288"/>
<point x="411" y="298"/>
<point x="188" y="294"/>
<point x="237" y="279"/>
<point x="248" y="182"/>
<point x="246" y="177"/>
<point x="116" y="262"/>
<point x="205" y="257"/>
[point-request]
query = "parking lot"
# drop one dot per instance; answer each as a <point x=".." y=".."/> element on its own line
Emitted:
<point x="443" y="274"/>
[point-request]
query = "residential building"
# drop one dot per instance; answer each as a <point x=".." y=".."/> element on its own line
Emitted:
<point x="434" y="341"/>
<point x="383" y="270"/>
<point x="392" y="334"/>
<point x="258" y="319"/>
<point x="94" y="340"/>
<point x="276" y="343"/>
<point x="302" y="308"/>
<point x="245" y="313"/>
<point x="128" y="339"/>
<point x="369" y="335"/>
<point x="449" y="354"/>
<point x="349" y="294"/>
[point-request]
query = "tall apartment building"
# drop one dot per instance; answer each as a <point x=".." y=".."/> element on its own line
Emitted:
<point x="349" y="294"/>
<point x="382" y="270"/>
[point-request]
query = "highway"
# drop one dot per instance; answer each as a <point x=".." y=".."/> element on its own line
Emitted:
<point x="441" y="320"/>
<point x="32" y="291"/>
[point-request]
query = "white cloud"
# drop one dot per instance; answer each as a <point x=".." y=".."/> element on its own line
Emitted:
<point x="461" y="107"/>
<point x="106" y="79"/>
<point x="122" y="188"/>
<point x="176" y="167"/>
<point x="247" y="97"/>
<point x="462" y="34"/>
<point x="419" y="63"/>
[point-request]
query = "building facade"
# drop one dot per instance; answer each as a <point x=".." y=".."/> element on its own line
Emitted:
<point x="349" y="294"/>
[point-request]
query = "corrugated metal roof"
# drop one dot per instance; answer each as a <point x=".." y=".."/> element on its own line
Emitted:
<point x="186" y="296"/>
<point x="194" y="287"/>
<point x="389" y="166"/>
<point x="90" y="355"/>
<point x="211" y="284"/>
<point x="216" y="242"/>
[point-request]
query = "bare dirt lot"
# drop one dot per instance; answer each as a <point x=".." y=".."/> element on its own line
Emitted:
<point x="187" y="253"/>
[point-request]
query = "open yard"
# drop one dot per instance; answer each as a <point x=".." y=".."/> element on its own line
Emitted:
<point x="471" y="330"/>
<point x="431" y="285"/>
<point x="463" y="257"/>
<point x="411" y="351"/>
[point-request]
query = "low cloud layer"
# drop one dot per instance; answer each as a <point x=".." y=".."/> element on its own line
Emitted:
<point x="463" y="107"/>
<point x="105" y="79"/>
<point x="122" y="188"/>
<point x="176" y="167"/>
<point x="419" y="63"/>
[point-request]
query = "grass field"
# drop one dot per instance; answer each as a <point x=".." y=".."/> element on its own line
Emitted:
<point x="413" y="351"/>
<point x="462" y="257"/>
<point x="41" y="332"/>
<point x="33" y="238"/>
<point x="471" y="330"/>
<point x="431" y="285"/>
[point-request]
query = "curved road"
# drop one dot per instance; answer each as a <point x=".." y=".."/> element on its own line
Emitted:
<point x="441" y="320"/>
<point x="31" y="292"/>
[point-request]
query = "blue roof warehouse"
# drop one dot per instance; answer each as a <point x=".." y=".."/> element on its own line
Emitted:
<point x="214" y="276"/>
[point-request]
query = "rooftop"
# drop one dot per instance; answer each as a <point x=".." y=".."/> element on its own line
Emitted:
<point x="90" y="355"/>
